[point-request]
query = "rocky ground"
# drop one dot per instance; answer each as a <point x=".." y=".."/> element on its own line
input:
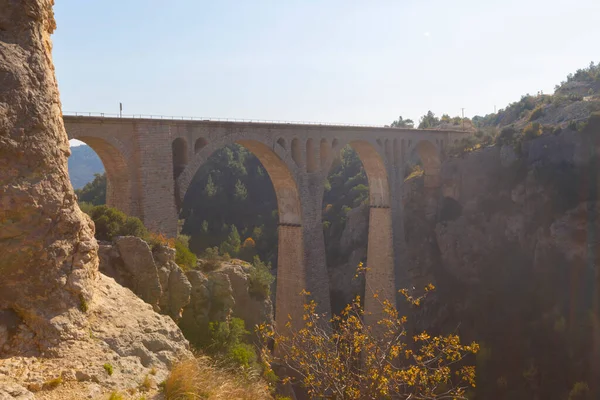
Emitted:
<point x="124" y="332"/>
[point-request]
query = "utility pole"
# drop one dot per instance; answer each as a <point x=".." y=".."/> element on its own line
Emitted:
<point x="463" y="118"/>
<point x="120" y="110"/>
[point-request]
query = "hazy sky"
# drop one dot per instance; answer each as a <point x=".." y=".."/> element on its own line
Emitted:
<point x="334" y="61"/>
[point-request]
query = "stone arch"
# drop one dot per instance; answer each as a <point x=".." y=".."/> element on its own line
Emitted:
<point x="380" y="276"/>
<point x="118" y="179"/>
<point x="379" y="192"/>
<point x="429" y="155"/>
<point x="291" y="269"/>
<point x="275" y="161"/>
<point x="179" y="149"/>
<point x="281" y="142"/>
<point x="199" y="145"/>
<point x="311" y="156"/>
<point x="324" y="153"/>
<point x="296" y="152"/>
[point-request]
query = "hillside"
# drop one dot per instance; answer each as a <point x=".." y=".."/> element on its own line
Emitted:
<point x="83" y="164"/>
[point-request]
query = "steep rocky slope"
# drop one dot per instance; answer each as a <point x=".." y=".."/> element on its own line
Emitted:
<point x="513" y="251"/>
<point x="61" y="321"/>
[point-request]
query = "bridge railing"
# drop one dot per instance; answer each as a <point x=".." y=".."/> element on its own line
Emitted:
<point x="183" y="118"/>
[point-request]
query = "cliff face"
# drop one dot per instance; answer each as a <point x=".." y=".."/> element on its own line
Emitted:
<point x="48" y="258"/>
<point x="61" y="321"/>
<point x="513" y="251"/>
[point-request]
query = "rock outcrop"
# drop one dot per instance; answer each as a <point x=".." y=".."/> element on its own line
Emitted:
<point x="152" y="274"/>
<point x="219" y="294"/>
<point x="48" y="259"/>
<point x="193" y="298"/>
<point x="63" y="325"/>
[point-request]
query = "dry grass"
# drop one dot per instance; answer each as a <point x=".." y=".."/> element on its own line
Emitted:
<point x="201" y="379"/>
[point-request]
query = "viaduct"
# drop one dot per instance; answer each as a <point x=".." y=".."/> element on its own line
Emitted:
<point x="150" y="164"/>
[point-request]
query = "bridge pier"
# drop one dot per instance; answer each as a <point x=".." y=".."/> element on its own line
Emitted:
<point x="311" y="190"/>
<point x="291" y="276"/>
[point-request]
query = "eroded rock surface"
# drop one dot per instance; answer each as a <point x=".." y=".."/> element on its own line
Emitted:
<point x="48" y="260"/>
<point x="61" y="321"/>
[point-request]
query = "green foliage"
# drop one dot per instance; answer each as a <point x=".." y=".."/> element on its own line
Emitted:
<point x="240" y="193"/>
<point x="580" y="391"/>
<point x="210" y="190"/>
<point x="402" y="123"/>
<point x="108" y="368"/>
<point x="233" y="243"/>
<point x="428" y="120"/>
<point x="243" y="355"/>
<point x="232" y="189"/>
<point x="111" y="222"/>
<point x="536" y="113"/>
<point x="532" y="130"/>
<point x="83" y="305"/>
<point x="53" y="383"/>
<point x="260" y="279"/>
<point x="86" y="207"/>
<point x="183" y="256"/>
<point x="225" y="335"/>
<point x="93" y="192"/>
<point x="115" y="395"/>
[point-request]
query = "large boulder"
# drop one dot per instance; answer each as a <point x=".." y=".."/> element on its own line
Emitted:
<point x="152" y="274"/>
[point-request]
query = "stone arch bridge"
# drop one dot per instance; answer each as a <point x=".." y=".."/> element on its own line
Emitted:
<point x="150" y="164"/>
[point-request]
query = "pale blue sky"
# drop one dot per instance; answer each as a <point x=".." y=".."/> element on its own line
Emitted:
<point x="346" y="61"/>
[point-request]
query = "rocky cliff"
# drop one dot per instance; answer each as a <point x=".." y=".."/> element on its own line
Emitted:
<point x="513" y="251"/>
<point x="63" y="325"/>
<point x="192" y="298"/>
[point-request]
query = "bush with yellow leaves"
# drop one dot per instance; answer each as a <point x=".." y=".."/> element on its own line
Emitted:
<point x="346" y="360"/>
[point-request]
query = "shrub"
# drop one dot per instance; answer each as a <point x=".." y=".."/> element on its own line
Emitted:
<point x="536" y="113"/>
<point x="507" y="136"/>
<point x="111" y="222"/>
<point x="532" y="130"/>
<point x="108" y="368"/>
<point x="211" y="260"/>
<point x="184" y="256"/>
<point x="242" y="355"/>
<point x="580" y="391"/>
<point x="233" y="243"/>
<point x="116" y="396"/>
<point x="93" y="192"/>
<point x="225" y="335"/>
<point x="53" y="383"/>
<point x="260" y="279"/>
<point x="202" y="379"/>
<point x="358" y="361"/>
<point x="158" y="239"/>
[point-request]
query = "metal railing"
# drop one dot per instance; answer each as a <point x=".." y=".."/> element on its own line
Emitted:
<point x="183" y="118"/>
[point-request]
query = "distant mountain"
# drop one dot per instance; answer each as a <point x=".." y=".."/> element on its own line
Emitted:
<point x="83" y="164"/>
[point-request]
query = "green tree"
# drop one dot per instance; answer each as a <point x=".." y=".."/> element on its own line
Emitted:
<point x="233" y="243"/>
<point x="402" y="123"/>
<point x="240" y="193"/>
<point x="210" y="189"/>
<point x="428" y="120"/>
<point x="111" y="222"/>
<point x="93" y="192"/>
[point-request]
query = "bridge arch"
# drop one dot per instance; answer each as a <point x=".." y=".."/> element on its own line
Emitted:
<point x="114" y="157"/>
<point x="430" y="156"/>
<point x="380" y="277"/>
<point x="273" y="158"/>
<point x="291" y="275"/>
